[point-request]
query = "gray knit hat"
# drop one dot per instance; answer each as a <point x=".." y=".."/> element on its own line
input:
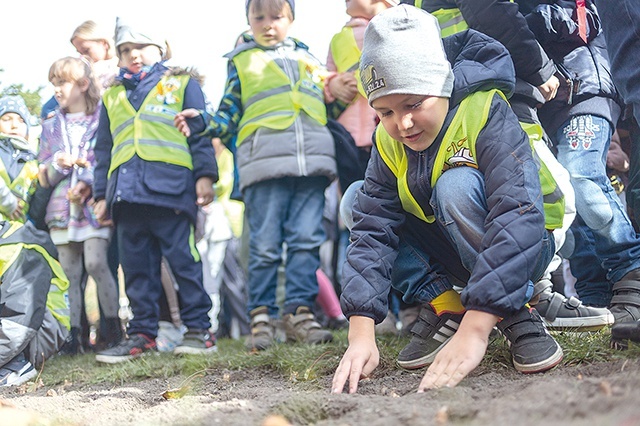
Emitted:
<point x="15" y="103"/>
<point x="138" y="34"/>
<point x="403" y="54"/>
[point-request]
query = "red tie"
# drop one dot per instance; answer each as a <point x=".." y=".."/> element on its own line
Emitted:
<point x="582" y="19"/>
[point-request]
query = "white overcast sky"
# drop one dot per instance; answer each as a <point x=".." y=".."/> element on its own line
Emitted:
<point x="37" y="32"/>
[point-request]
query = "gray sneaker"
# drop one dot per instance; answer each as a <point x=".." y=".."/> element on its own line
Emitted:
<point x="533" y="350"/>
<point x="196" y="342"/>
<point x="303" y="327"/>
<point x="429" y="334"/>
<point x="262" y="330"/>
<point x="569" y="314"/>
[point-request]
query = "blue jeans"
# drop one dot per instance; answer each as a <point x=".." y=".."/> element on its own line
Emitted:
<point x="463" y="219"/>
<point x="433" y="258"/>
<point x="583" y="142"/>
<point x="287" y="210"/>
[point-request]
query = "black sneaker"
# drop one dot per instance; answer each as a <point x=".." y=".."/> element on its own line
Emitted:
<point x="533" y="350"/>
<point x="196" y="342"/>
<point x="429" y="334"/>
<point x="128" y="348"/>
<point x="17" y="371"/>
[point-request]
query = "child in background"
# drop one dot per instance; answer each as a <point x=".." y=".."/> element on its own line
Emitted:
<point x="274" y="101"/>
<point x="151" y="179"/>
<point x="222" y="231"/>
<point x="67" y="143"/>
<point x="476" y="221"/>
<point x="96" y="44"/>
<point x="18" y="163"/>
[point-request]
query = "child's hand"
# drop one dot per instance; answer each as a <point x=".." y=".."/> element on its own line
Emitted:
<point x="180" y="120"/>
<point x="549" y="89"/>
<point x="344" y="87"/>
<point x="204" y="191"/>
<point x="462" y="354"/>
<point x="361" y="357"/>
<point x="79" y="193"/>
<point x="42" y="176"/>
<point x="18" y="213"/>
<point x="100" y="210"/>
<point x="64" y="161"/>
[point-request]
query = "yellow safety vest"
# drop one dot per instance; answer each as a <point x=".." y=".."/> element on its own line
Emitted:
<point x="270" y="99"/>
<point x="458" y="148"/>
<point x="148" y="132"/>
<point x="23" y="186"/>
<point x="449" y="20"/>
<point x="346" y="54"/>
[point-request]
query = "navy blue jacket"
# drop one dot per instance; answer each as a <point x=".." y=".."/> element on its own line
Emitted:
<point x="153" y="183"/>
<point x="499" y="283"/>
<point x="586" y="64"/>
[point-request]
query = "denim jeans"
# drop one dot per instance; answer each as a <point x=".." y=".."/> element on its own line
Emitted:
<point x="433" y="258"/>
<point x="463" y="219"/>
<point x="583" y="142"/>
<point x="284" y="211"/>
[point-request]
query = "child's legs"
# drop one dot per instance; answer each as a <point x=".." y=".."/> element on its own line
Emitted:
<point x="97" y="265"/>
<point x="70" y="258"/>
<point x="303" y="233"/>
<point x="175" y="234"/>
<point x="265" y="207"/>
<point x="140" y="261"/>
<point x="583" y="142"/>
<point x="462" y="217"/>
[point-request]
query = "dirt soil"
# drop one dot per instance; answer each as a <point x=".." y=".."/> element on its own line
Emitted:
<point x="595" y="394"/>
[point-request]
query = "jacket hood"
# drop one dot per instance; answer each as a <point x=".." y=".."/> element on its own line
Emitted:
<point x="479" y="63"/>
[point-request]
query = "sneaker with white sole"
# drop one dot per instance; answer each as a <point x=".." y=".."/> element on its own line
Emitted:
<point x="533" y="349"/>
<point x="429" y="335"/>
<point x="568" y="314"/>
<point x="17" y="371"/>
<point x="129" y="348"/>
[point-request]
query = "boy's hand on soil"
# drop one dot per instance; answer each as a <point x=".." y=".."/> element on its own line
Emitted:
<point x="180" y="120"/>
<point x="462" y="354"/>
<point x="361" y="357"/>
<point x="204" y="191"/>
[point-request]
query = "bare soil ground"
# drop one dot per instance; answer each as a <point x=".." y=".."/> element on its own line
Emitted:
<point x="595" y="394"/>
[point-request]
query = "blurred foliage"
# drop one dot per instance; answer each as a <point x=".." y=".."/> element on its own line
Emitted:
<point x="31" y="97"/>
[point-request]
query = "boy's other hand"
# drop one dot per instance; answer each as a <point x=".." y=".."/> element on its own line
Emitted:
<point x="344" y="87"/>
<point x="361" y="357"/>
<point x="462" y="354"/>
<point x="180" y="120"/>
<point x="204" y="191"/>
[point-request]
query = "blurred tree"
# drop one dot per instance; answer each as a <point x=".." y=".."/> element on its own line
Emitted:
<point x="32" y="98"/>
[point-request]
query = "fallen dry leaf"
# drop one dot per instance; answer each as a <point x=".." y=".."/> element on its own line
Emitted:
<point x="276" y="420"/>
<point x="605" y="387"/>
<point x="442" y="416"/>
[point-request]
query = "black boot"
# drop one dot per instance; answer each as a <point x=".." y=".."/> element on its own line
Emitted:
<point x="73" y="345"/>
<point x="112" y="333"/>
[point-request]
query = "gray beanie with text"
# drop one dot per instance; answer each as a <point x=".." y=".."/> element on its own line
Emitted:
<point x="403" y="54"/>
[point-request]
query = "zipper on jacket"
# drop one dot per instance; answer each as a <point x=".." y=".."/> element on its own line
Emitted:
<point x="297" y="124"/>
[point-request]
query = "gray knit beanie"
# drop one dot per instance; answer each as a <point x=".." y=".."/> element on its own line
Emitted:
<point x="403" y="54"/>
<point x="138" y="34"/>
<point x="15" y="104"/>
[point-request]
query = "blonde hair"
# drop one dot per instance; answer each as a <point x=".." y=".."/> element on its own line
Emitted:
<point x="76" y="69"/>
<point x="272" y="7"/>
<point x="91" y="31"/>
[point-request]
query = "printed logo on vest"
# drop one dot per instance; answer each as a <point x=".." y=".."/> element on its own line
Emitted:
<point x="166" y="89"/>
<point x="370" y="80"/>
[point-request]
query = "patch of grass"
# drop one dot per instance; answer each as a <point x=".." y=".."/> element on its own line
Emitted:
<point x="298" y="362"/>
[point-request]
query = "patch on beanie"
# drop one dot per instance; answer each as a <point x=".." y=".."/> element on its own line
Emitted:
<point x="370" y="80"/>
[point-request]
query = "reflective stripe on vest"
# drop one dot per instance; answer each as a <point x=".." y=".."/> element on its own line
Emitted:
<point x="148" y="132"/>
<point x="346" y="54"/>
<point x="450" y="21"/>
<point x="23" y="185"/>
<point x="269" y="97"/>
<point x="458" y="148"/>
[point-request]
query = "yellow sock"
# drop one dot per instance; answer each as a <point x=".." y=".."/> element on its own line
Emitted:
<point x="449" y="301"/>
